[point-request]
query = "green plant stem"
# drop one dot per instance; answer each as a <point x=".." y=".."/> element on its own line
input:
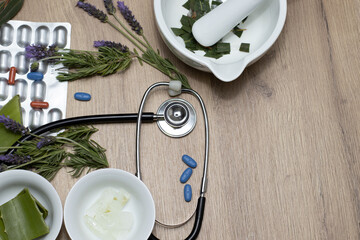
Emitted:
<point x="30" y="162"/>
<point x="72" y="141"/>
<point x="125" y="35"/>
<point x="146" y="45"/>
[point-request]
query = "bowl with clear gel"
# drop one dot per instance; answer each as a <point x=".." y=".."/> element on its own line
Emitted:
<point x="263" y="26"/>
<point x="109" y="204"/>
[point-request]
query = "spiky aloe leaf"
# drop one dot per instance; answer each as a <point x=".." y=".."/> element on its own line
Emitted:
<point x="8" y="9"/>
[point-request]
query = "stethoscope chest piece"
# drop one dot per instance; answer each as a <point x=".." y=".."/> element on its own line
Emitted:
<point x="177" y="117"/>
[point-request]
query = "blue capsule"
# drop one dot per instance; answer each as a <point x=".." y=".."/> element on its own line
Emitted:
<point x="186" y="175"/>
<point x="36" y="76"/>
<point x="82" y="96"/>
<point x="187" y="193"/>
<point x="189" y="161"/>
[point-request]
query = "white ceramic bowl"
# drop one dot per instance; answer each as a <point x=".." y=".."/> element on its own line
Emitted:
<point x="263" y="28"/>
<point x="88" y="189"/>
<point x="13" y="182"/>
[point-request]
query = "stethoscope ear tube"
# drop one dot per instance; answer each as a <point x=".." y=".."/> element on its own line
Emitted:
<point x="200" y="208"/>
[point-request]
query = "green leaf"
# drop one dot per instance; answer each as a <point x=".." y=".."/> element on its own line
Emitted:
<point x="12" y="110"/>
<point x="245" y="47"/>
<point x="23" y="212"/>
<point x="187" y="21"/>
<point x="187" y="5"/>
<point x="215" y="3"/>
<point x="3" y="235"/>
<point x="223" y="48"/>
<point x="238" y="31"/>
<point x="178" y="31"/>
<point x="8" y="9"/>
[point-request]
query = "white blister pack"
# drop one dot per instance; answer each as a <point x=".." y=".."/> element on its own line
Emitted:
<point x="14" y="37"/>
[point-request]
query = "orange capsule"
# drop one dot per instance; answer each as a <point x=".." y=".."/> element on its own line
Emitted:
<point x="35" y="104"/>
<point x="11" y="80"/>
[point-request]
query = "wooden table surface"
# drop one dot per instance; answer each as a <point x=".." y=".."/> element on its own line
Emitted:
<point x="284" y="137"/>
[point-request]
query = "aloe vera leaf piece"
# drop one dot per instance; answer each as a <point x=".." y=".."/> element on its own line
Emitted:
<point x="41" y="208"/>
<point x="11" y="109"/>
<point x="8" y="9"/>
<point x="22" y="218"/>
<point x="3" y="235"/>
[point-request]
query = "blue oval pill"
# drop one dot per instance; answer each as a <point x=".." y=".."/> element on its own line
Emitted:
<point x="187" y="192"/>
<point x="82" y="96"/>
<point x="186" y="175"/>
<point x="36" y="76"/>
<point x="189" y="161"/>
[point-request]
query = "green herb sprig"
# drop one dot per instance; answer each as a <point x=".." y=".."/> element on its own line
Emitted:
<point x="72" y="148"/>
<point x="109" y="59"/>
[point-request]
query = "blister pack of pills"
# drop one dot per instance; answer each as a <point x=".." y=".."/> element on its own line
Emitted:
<point x="43" y="100"/>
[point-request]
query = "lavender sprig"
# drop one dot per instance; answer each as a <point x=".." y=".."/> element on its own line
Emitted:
<point x="13" y="126"/>
<point x="93" y="11"/>
<point x="129" y="17"/>
<point x="109" y="7"/>
<point x="45" y="141"/>
<point x="111" y="44"/>
<point x="38" y="51"/>
<point x="13" y="159"/>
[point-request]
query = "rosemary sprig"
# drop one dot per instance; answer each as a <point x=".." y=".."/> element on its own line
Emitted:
<point x="72" y="148"/>
<point x="93" y="157"/>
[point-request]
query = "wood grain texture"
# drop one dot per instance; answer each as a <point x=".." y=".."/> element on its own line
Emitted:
<point x="285" y="145"/>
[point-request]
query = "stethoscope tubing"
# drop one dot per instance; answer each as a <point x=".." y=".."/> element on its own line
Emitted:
<point x="200" y="208"/>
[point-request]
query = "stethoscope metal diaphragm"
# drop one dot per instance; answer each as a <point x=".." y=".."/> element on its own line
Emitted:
<point x="177" y="117"/>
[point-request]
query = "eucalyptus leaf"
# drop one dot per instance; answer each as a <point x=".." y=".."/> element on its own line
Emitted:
<point x="8" y="9"/>
<point x="12" y="110"/>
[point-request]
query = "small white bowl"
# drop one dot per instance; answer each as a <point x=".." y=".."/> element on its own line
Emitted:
<point x="88" y="189"/>
<point x="12" y="182"/>
<point x="263" y="26"/>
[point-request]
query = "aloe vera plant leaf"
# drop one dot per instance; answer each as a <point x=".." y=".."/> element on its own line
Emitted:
<point x="3" y="235"/>
<point x="9" y="8"/>
<point x="22" y="218"/>
<point x="13" y="110"/>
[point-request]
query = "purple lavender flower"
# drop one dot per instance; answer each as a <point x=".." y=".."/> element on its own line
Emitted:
<point x="92" y="11"/>
<point x="13" y="126"/>
<point x="38" y="51"/>
<point x="111" y="44"/>
<point x="45" y="141"/>
<point x="130" y="18"/>
<point x="13" y="159"/>
<point x="109" y="5"/>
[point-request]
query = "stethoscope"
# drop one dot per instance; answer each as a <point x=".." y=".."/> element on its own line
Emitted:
<point x="175" y="117"/>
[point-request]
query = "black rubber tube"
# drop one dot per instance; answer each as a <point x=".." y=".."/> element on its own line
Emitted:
<point x="86" y="120"/>
<point x="200" y="208"/>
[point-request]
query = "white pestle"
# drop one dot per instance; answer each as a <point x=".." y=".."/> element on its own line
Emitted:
<point x="210" y="28"/>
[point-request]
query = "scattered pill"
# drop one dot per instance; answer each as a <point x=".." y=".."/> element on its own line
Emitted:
<point x="186" y="175"/>
<point x="37" y="104"/>
<point x="189" y="161"/>
<point x="36" y="76"/>
<point x="12" y="73"/>
<point x="187" y="193"/>
<point x="82" y="96"/>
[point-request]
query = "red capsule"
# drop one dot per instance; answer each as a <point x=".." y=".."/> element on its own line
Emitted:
<point x="35" y="104"/>
<point x="11" y="80"/>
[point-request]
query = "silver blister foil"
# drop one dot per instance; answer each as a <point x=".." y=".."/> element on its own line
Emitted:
<point x="14" y="37"/>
